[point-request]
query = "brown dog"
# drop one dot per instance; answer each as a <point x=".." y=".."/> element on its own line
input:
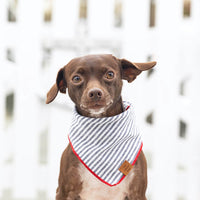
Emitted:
<point x="94" y="84"/>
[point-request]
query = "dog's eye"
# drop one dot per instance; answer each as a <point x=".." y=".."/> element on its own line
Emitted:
<point x="110" y="75"/>
<point x="76" y="79"/>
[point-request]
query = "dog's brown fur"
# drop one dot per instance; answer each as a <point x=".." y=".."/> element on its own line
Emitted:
<point x="96" y="93"/>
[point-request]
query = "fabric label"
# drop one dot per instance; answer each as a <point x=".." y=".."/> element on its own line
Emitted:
<point x="125" y="168"/>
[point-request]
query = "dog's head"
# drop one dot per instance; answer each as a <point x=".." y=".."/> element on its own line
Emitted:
<point x="94" y="82"/>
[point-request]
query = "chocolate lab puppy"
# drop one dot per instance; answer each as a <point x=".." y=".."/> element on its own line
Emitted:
<point x="94" y="84"/>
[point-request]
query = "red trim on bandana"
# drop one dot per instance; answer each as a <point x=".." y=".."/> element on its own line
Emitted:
<point x="97" y="175"/>
<point x="127" y="107"/>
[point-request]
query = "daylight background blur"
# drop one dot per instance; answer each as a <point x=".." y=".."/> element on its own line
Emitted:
<point x="37" y="37"/>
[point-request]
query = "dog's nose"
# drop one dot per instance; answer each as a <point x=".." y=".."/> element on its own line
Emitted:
<point x="95" y="94"/>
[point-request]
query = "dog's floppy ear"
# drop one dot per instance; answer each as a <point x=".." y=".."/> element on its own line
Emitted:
<point x="131" y="70"/>
<point x="60" y="85"/>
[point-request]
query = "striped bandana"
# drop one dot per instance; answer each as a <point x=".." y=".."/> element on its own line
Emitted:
<point x="103" y="144"/>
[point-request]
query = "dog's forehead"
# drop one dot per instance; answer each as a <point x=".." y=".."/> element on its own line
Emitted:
<point x="92" y="62"/>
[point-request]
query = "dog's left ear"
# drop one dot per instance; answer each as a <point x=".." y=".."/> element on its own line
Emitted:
<point x="60" y="85"/>
<point x="131" y="70"/>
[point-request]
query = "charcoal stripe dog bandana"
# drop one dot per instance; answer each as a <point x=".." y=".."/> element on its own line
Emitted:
<point x="103" y="144"/>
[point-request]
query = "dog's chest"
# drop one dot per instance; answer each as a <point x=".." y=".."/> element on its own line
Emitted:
<point x="93" y="188"/>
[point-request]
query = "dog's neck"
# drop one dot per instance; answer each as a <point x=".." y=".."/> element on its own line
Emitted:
<point x="114" y="109"/>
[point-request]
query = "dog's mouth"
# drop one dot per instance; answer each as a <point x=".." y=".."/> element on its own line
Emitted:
<point x="96" y="106"/>
<point x="93" y="105"/>
<point x="95" y="109"/>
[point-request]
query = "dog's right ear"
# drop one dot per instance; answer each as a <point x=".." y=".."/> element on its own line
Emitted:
<point x="131" y="70"/>
<point x="60" y="85"/>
